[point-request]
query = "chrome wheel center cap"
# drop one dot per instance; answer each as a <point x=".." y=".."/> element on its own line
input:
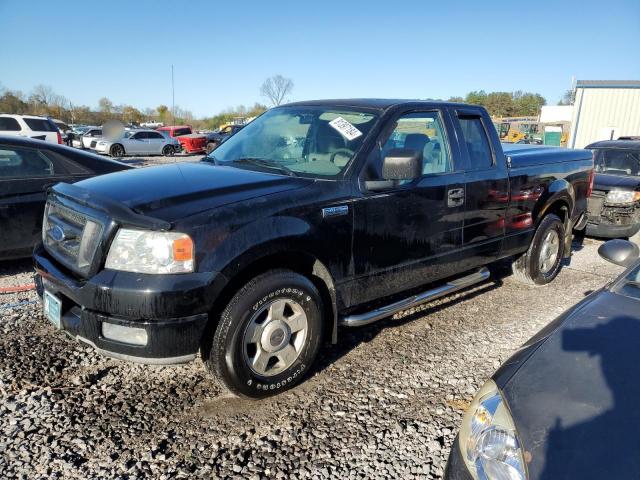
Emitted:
<point x="275" y="336"/>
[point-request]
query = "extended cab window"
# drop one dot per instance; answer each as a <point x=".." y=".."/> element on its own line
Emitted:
<point x="181" y="131"/>
<point x="312" y="141"/>
<point x="23" y="163"/>
<point x="477" y="142"/>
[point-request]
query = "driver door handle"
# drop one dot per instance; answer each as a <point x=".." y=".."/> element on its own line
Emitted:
<point x="455" y="197"/>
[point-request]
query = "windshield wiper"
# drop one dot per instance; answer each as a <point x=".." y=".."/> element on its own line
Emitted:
<point x="263" y="162"/>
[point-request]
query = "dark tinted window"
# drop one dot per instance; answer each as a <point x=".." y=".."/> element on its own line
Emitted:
<point x="181" y="131"/>
<point x="475" y="137"/>
<point x="154" y="135"/>
<point x="139" y="136"/>
<point x="9" y="124"/>
<point x="40" y="125"/>
<point x="23" y="163"/>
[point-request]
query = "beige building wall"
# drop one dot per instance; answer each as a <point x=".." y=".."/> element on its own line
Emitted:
<point x="601" y="113"/>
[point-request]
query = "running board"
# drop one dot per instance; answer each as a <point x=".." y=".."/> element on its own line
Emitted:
<point x="446" y="289"/>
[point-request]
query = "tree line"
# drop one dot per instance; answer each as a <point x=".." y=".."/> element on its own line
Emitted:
<point x="44" y="101"/>
<point x="506" y="104"/>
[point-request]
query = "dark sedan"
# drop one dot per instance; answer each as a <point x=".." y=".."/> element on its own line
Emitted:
<point x="27" y="169"/>
<point x="565" y="406"/>
<point x="614" y="206"/>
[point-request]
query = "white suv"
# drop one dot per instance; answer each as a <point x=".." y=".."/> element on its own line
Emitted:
<point x="29" y="126"/>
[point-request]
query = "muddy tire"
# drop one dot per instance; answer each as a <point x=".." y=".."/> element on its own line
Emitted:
<point x="268" y="335"/>
<point x="542" y="262"/>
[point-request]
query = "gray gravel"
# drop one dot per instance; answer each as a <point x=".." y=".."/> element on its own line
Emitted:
<point x="383" y="403"/>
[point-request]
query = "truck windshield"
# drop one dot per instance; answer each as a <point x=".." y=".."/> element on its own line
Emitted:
<point x="617" y="161"/>
<point x="309" y="141"/>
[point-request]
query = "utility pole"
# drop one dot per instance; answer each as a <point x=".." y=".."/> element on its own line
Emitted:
<point x="173" y="99"/>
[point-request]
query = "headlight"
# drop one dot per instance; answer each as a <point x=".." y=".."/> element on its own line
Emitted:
<point x="621" y="196"/>
<point x="145" y="251"/>
<point x="488" y="439"/>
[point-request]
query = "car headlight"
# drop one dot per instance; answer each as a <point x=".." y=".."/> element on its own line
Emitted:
<point x="488" y="440"/>
<point x="146" y="251"/>
<point x="622" y="196"/>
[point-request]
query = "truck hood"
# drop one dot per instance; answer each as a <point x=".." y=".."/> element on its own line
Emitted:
<point x="178" y="190"/>
<point x="605" y="182"/>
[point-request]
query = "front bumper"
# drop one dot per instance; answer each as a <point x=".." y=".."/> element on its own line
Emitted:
<point x="456" y="468"/>
<point x="172" y="309"/>
<point x="608" y="230"/>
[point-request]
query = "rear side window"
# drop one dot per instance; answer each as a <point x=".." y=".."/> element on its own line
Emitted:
<point x="40" y="125"/>
<point x="23" y="163"/>
<point x="154" y="135"/>
<point x="9" y="124"/>
<point x="181" y="131"/>
<point x="477" y="142"/>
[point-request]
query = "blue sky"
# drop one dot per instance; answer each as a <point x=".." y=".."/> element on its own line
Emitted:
<point x="401" y="49"/>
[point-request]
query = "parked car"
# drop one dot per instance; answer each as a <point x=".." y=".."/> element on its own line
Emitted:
<point x="214" y="139"/>
<point x="27" y="169"/>
<point x="614" y="207"/>
<point x="139" y="142"/>
<point x="565" y="405"/>
<point x="314" y="215"/>
<point x="190" y="142"/>
<point x="90" y="138"/>
<point x="30" y="126"/>
<point x="151" y="124"/>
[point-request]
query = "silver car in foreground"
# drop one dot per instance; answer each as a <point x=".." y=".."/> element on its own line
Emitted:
<point x="139" y="142"/>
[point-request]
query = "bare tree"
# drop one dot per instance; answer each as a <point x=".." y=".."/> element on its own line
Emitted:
<point x="276" y="88"/>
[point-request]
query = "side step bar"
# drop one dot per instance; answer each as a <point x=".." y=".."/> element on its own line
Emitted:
<point x="389" y="310"/>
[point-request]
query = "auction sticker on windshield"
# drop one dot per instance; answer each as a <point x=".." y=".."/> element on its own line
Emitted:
<point x="345" y="128"/>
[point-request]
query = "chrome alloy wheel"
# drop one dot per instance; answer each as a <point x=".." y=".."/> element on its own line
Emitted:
<point x="549" y="251"/>
<point x="275" y="336"/>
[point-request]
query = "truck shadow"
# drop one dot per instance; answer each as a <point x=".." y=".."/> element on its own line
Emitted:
<point x="351" y="338"/>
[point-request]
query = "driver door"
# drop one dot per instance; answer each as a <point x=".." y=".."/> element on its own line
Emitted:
<point x="407" y="234"/>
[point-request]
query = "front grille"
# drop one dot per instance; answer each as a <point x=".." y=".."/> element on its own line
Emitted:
<point x="594" y="205"/>
<point x="71" y="237"/>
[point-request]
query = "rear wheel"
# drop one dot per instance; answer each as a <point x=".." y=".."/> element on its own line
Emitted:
<point x="268" y="335"/>
<point x="116" y="150"/>
<point x="542" y="262"/>
<point x="168" y="151"/>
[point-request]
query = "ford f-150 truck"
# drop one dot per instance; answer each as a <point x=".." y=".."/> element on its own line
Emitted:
<point x="315" y="215"/>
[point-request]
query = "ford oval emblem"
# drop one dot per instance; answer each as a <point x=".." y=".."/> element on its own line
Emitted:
<point x="57" y="233"/>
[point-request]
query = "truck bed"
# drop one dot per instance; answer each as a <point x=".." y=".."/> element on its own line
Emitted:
<point x="523" y="155"/>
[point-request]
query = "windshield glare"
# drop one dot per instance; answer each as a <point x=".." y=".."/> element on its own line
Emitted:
<point x="308" y="141"/>
<point x="617" y="161"/>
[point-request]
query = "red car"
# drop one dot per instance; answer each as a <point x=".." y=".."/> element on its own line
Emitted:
<point x="190" y="142"/>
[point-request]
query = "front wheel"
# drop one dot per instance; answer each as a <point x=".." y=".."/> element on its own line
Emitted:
<point x="117" y="150"/>
<point x="542" y="262"/>
<point x="268" y="335"/>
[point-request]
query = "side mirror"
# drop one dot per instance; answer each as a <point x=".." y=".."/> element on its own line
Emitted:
<point x="619" y="252"/>
<point x="402" y="164"/>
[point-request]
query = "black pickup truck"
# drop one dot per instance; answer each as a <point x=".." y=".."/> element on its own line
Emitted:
<point x="315" y="215"/>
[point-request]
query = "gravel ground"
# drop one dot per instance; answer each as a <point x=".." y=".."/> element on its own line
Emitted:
<point x="383" y="403"/>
